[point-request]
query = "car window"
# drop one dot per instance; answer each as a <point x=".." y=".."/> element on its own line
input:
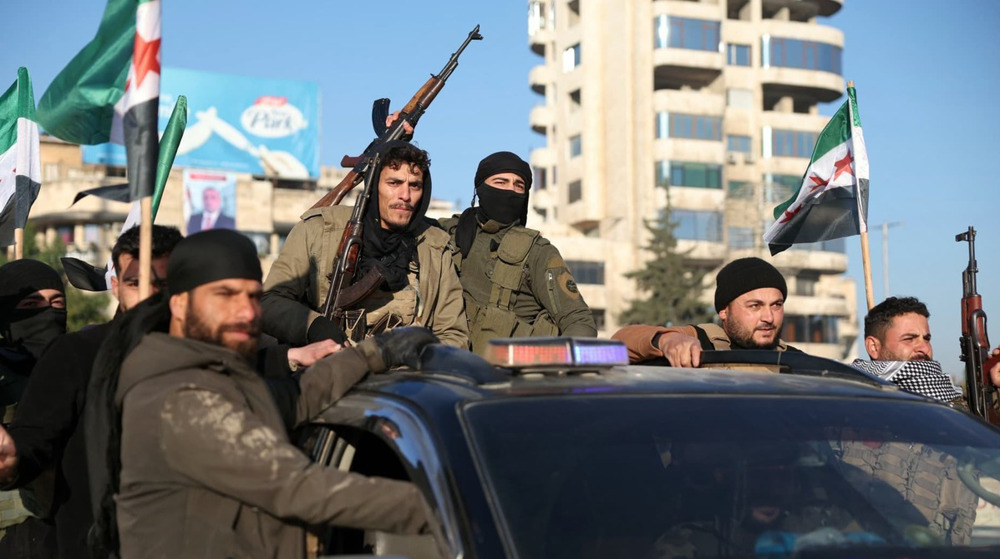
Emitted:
<point x="703" y="476"/>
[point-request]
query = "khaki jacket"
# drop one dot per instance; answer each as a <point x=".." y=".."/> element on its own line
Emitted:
<point x="207" y="468"/>
<point x="297" y="284"/>
<point x="638" y="339"/>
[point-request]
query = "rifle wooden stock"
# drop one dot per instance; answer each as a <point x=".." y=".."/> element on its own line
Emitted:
<point x="334" y="197"/>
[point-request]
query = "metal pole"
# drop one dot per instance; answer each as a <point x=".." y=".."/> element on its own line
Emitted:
<point x="885" y="255"/>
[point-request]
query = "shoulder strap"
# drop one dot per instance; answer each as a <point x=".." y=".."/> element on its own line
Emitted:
<point x="512" y="255"/>
<point x="712" y="337"/>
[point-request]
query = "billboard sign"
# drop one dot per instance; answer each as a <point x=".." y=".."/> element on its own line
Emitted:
<point x="249" y="125"/>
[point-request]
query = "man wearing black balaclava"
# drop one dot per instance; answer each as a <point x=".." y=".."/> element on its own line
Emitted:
<point x="32" y="314"/>
<point x="194" y="434"/>
<point x="419" y="285"/>
<point x="514" y="281"/>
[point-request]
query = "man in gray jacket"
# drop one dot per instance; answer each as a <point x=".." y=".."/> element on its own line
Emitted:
<point x="206" y="468"/>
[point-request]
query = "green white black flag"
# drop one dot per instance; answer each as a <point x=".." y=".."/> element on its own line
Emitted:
<point x="832" y="200"/>
<point x="20" y="166"/>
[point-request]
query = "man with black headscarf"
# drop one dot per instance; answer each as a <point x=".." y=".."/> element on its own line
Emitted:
<point x="420" y="285"/>
<point x="515" y="282"/>
<point x="204" y="466"/>
<point x="32" y="314"/>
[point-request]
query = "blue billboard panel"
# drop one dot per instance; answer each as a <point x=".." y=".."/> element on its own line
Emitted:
<point x="249" y="125"/>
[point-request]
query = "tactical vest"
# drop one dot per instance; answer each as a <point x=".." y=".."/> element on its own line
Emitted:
<point x="496" y="319"/>
<point x="383" y="310"/>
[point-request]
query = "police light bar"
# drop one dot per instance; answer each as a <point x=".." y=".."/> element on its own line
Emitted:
<point x="532" y="353"/>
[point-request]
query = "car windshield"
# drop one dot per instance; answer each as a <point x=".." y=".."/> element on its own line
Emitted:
<point x="657" y="476"/>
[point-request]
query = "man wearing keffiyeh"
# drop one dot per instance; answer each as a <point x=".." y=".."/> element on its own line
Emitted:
<point x="898" y="340"/>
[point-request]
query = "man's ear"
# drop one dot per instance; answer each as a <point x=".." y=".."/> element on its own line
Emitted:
<point x="178" y="307"/>
<point x="724" y="314"/>
<point x="873" y="346"/>
<point x="114" y="286"/>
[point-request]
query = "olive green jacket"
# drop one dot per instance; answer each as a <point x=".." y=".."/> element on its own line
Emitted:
<point x="546" y="290"/>
<point x="297" y="284"/>
<point x="207" y="467"/>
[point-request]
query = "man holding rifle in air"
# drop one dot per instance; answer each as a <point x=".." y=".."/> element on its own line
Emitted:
<point x="419" y="284"/>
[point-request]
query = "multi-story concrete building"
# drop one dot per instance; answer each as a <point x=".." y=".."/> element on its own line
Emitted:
<point x="706" y="107"/>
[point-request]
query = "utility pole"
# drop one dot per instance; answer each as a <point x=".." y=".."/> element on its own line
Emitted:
<point x="885" y="255"/>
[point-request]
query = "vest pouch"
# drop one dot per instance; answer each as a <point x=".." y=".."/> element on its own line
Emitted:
<point x="543" y="326"/>
<point x="491" y="323"/>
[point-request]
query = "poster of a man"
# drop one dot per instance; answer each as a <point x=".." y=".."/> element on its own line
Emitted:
<point x="208" y="196"/>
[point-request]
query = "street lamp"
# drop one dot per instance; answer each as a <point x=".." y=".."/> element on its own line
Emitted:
<point x="885" y="255"/>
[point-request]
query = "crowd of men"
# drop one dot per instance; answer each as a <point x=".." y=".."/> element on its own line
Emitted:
<point x="165" y="431"/>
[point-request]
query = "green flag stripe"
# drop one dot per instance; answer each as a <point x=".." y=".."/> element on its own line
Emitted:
<point x="78" y="106"/>
<point x="17" y="102"/>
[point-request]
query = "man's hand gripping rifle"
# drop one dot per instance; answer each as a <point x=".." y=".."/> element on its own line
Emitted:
<point x="344" y="292"/>
<point x="984" y="400"/>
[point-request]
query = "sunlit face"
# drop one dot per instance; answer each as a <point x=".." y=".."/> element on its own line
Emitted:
<point x="43" y="298"/>
<point x="753" y="320"/>
<point x="126" y="287"/>
<point x="507" y="181"/>
<point x="399" y="194"/>
<point x="908" y="338"/>
<point x="224" y="312"/>
<point x="211" y="200"/>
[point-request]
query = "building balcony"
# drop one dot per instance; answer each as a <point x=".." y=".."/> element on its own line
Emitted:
<point x="538" y="40"/>
<point x="823" y="262"/>
<point x="676" y="67"/>
<point x="802" y="10"/>
<point x="541" y="119"/>
<point x="539" y="78"/>
<point x="705" y="253"/>
<point x="542" y="157"/>
<point x="819" y="85"/>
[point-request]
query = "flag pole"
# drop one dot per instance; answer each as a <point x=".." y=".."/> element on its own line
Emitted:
<point x="145" y="246"/>
<point x="866" y="257"/>
<point x="18" y="243"/>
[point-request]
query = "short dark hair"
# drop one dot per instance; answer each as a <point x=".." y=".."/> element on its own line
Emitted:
<point x="164" y="240"/>
<point x="880" y="316"/>
<point x="407" y="153"/>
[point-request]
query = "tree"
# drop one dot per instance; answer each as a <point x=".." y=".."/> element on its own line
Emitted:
<point x="672" y="287"/>
<point x="83" y="308"/>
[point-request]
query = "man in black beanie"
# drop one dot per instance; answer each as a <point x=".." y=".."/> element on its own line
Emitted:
<point x="750" y="299"/>
<point x="205" y="465"/>
<point x="514" y="281"/>
<point x="419" y="285"/>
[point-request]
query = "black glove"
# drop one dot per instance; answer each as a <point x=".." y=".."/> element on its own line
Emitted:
<point x="402" y="346"/>
<point x="324" y="329"/>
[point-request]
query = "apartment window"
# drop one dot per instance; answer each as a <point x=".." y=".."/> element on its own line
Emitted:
<point x="261" y="240"/>
<point x="697" y="175"/>
<point x="696" y="225"/>
<point x="537" y="19"/>
<point x="685" y="33"/>
<point x="575" y="191"/>
<point x="739" y="98"/>
<point x="697" y="127"/>
<point x="571" y="58"/>
<point x="796" y="53"/>
<point x="575" y="146"/>
<point x="792" y="143"/>
<point x="741" y="237"/>
<point x="740" y="190"/>
<point x="778" y="188"/>
<point x="65" y="233"/>
<point x="541" y="181"/>
<point x="586" y="272"/>
<point x="738" y="143"/>
<point x="574" y="100"/>
<point x="815" y="329"/>
<point x="805" y="285"/>
<point x="737" y="55"/>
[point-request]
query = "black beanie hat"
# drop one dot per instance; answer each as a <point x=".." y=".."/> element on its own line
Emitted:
<point x="503" y="162"/>
<point x="212" y="255"/>
<point x="744" y="275"/>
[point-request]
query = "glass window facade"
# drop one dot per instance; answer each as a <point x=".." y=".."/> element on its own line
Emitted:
<point x="737" y="55"/>
<point x="796" y="53"/>
<point x="792" y="143"/>
<point x="697" y="175"/>
<point x="740" y="190"/>
<point x="571" y="58"/>
<point x="778" y="188"/>
<point x="740" y="237"/>
<point x="738" y="143"/>
<point x="695" y="225"/>
<point x="575" y="191"/>
<point x="696" y="127"/>
<point x="586" y="271"/>
<point x="685" y="33"/>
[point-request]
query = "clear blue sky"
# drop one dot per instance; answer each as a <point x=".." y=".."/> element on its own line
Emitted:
<point x="926" y="74"/>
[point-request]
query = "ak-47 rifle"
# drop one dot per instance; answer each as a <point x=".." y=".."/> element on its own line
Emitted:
<point x="342" y="293"/>
<point x="984" y="400"/>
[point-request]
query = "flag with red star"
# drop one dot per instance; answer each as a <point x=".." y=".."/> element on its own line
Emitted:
<point x="832" y="200"/>
<point x="20" y="166"/>
<point x="110" y="90"/>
